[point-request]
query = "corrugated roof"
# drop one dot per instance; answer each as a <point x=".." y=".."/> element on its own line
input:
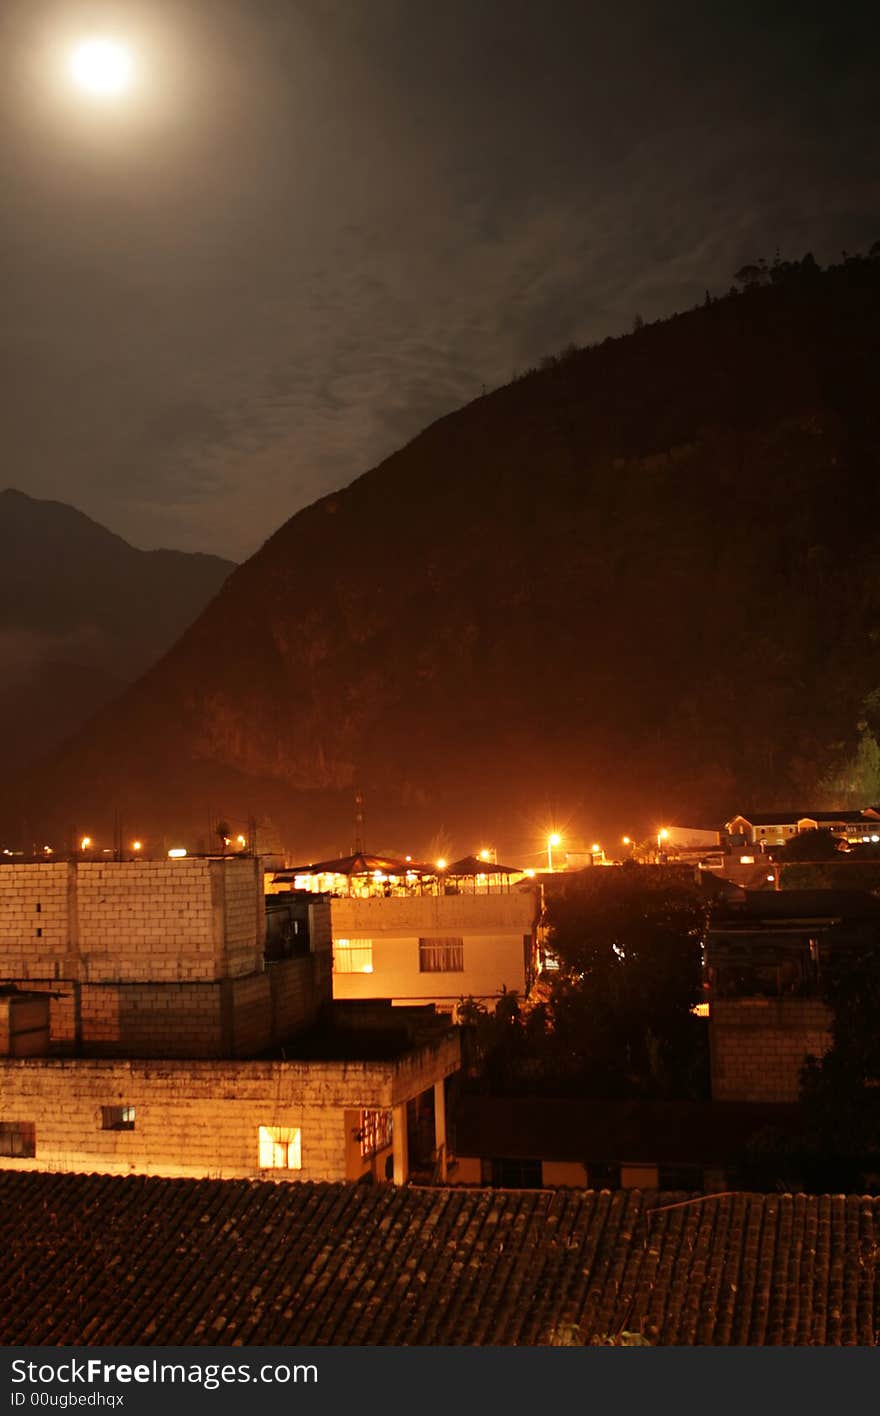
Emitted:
<point x="94" y="1260"/>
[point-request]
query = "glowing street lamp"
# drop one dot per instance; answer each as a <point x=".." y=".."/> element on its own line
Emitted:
<point x="662" y="835"/>
<point x="136" y="845"/>
<point x="440" y="864"/>
<point x="85" y="843"/>
<point x="554" y="839"/>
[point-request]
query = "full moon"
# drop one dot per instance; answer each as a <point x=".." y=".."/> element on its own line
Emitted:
<point x="101" y="67"/>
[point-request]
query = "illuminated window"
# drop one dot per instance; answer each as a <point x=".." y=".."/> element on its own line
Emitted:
<point x="18" y="1139"/>
<point x="117" y="1118"/>
<point x="374" y="1132"/>
<point x="280" y="1148"/>
<point x="353" y="955"/>
<point x="441" y="955"/>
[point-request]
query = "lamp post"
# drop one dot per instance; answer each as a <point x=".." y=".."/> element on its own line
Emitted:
<point x="554" y="839"/>
<point x="662" y="835"/>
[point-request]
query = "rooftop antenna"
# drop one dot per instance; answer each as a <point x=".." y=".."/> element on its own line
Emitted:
<point x="359" y="823"/>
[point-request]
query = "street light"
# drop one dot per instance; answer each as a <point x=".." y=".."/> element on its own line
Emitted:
<point x="662" y="835"/>
<point x="554" y="839"/>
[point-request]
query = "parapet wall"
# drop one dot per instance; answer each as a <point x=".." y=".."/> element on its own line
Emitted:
<point x="402" y="916"/>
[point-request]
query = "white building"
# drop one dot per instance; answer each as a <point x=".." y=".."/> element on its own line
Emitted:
<point x="435" y="948"/>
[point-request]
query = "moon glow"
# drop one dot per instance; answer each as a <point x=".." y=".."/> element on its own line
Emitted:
<point x="101" y="67"/>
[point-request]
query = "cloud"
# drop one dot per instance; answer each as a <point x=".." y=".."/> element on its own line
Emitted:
<point x="368" y="218"/>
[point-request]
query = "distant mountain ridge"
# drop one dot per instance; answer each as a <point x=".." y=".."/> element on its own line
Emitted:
<point x="82" y="614"/>
<point x="637" y="585"/>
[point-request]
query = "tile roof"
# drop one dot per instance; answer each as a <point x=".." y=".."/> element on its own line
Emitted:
<point x="95" y="1260"/>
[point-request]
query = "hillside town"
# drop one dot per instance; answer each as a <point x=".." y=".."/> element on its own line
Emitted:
<point x="238" y="1018"/>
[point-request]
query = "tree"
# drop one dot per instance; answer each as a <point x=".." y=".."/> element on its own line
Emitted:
<point x="620" y="1011"/>
<point x="841" y="1091"/>
<point x="749" y="276"/>
<point x="856" y="782"/>
<point x="811" y="845"/>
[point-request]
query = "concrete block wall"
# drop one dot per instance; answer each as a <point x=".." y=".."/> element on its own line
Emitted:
<point x="131" y="921"/>
<point x="144" y="921"/>
<point x="320" y="926"/>
<point x="757" y="1046"/>
<point x="244" y="921"/>
<point x="34" y="933"/>
<point x="237" y="1017"/>
<point x="299" y="989"/>
<point x="422" y="1067"/>
<point x="191" y="1118"/>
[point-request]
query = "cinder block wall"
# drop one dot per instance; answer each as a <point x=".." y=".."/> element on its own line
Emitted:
<point x="202" y="1118"/>
<point x="235" y="1017"/>
<point x="34" y="928"/>
<point x="198" y="1119"/>
<point x="131" y="921"/>
<point x="759" y="1045"/>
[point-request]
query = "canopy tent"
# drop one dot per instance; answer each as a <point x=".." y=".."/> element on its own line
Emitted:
<point x="476" y="865"/>
<point x="474" y="868"/>
<point x="370" y="871"/>
<point x="359" y="864"/>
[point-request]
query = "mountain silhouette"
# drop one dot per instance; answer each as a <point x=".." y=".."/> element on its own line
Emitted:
<point x="635" y="585"/>
<point x="82" y="614"/>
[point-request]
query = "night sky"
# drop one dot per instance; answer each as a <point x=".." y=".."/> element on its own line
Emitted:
<point x="313" y="226"/>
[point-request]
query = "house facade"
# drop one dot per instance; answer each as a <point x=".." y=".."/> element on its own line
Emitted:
<point x="764" y="829"/>
<point x="436" y="948"/>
